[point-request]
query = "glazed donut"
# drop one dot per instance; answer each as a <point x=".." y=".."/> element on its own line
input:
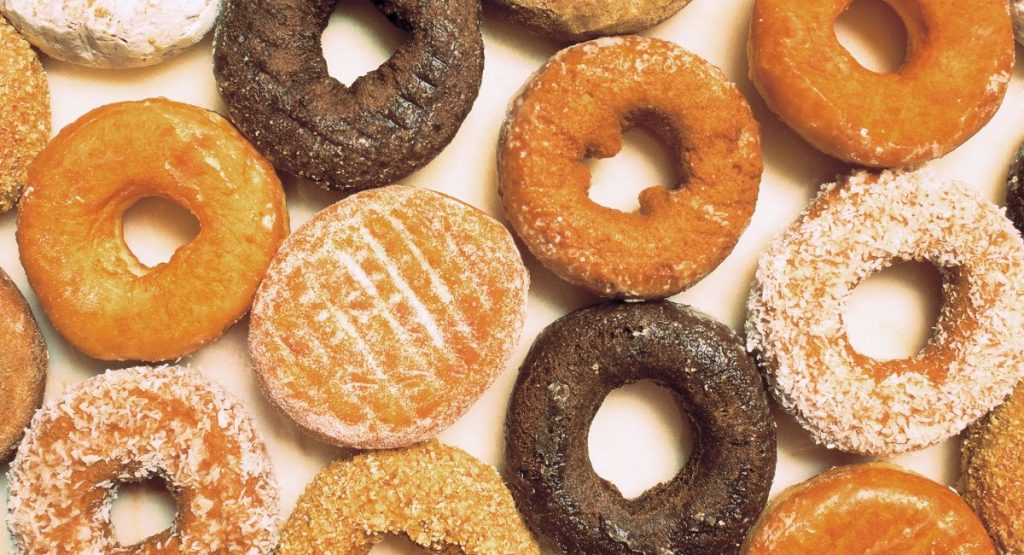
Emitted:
<point x="131" y="425"/>
<point x="958" y="57"/>
<point x="112" y="34"/>
<point x="440" y="497"/>
<point x="386" y="316"/>
<point x="95" y="292"/>
<point x="992" y="482"/>
<point x="272" y="74"/>
<point x="22" y="366"/>
<point x="575" y="108"/>
<point x="855" y="228"/>
<point x="574" y="21"/>
<point x="868" y="508"/>
<point x="24" y="113"/>
<point x="709" y="506"/>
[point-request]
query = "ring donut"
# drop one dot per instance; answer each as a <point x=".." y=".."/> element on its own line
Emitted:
<point x="868" y="508"/>
<point x="855" y="228"/>
<point x="131" y="425"/>
<point x="438" y="496"/>
<point x="959" y="57"/>
<point x="1015" y="190"/>
<point x="576" y="108"/>
<point x="95" y="292"/>
<point x="709" y="506"/>
<point x="1017" y="14"/>
<point x="23" y="360"/>
<point x="389" y="123"/>
<point x="112" y="34"/>
<point x="574" y="21"/>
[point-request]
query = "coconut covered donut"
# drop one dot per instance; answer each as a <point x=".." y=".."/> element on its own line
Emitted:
<point x="855" y="228"/>
<point x="112" y="34"/>
<point x="22" y="365"/>
<point x="959" y="57"/>
<point x="130" y="425"/>
<point x="94" y="290"/>
<point x="572" y="20"/>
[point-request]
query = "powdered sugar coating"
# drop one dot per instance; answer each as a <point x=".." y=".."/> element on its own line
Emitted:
<point x="387" y="315"/>
<point x="128" y="425"/>
<point x="855" y="228"/>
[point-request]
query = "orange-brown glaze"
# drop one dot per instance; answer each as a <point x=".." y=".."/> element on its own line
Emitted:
<point x="872" y="508"/>
<point x="22" y="365"/>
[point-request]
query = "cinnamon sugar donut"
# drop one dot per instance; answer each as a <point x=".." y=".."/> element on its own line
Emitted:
<point x="95" y="292"/>
<point x="130" y="425"/>
<point x="440" y="497"/>
<point x="855" y="228"/>
<point x="868" y="508"/>
<point x="386" y="316"/>
<point x="959" y="58"/>
<point x="576" y="108"/>
<point x="572" y="20"/>
<point x="22" y="365"/>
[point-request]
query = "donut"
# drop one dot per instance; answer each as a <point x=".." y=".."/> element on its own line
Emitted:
<point x="386" y="316"/>
<point x="958" y="57"/>
<point x="271" y="72"/>
<point x="23" y="360"/>
<point x="991" y="481"/>
<point x="1017" y="14"/>
<point x="709" y="506"/>
<point x="438" y="496"/>
<point x="574" y="21"/>
<point x="856" y="227"/>
<point x="95" y="292"/>
<point x="868" y="508"/>
<point x="130" y="425"/>
<point x="576" y="108"/>
<point x="1014" y="192"/>
<point x="112" y="34"/>
<point x="24" y="113"/>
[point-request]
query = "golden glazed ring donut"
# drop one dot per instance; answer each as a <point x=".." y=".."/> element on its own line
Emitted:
<point x="576" y="108"/>
<point x="131" y="425"/>
<point x="438" y="496"/>
<point x="95" y="292"/>
<point x="856" y="228"/>
<point x="22" y="365"/>
<point x="959" y="58"/>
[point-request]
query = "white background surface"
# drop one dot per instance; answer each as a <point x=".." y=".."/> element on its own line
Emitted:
<point x="638" y="439"/>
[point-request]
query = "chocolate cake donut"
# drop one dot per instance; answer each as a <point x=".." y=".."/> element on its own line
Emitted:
<point x="706" y="508"/>
<point x="1014" y="192"/>
<point x="271" y="71"/>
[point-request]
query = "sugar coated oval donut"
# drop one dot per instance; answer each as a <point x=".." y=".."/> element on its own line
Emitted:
<point x="992" y="481"/>
<point x="868" y="508"/>
<point x="576" y="108"/>
<point x="272" y="74"/>
<point x="131" y="425"/>
<point x="958" y="57"/>
<point x="438" y="496"/>
<point x="112" y="34"/>
<point x="24" y="113"/>
<point x="386" y="316"/>
<point x="23" y="360"/>
<point x="576" y="362"/>
<point x="855" y="228"/>
<point x="572" y="20"/>
<point x="95" y="292"/>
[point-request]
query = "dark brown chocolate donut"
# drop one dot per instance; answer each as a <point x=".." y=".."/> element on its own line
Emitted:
<point x="1015" y="191"/>
<point x="706" y="508"/>
<point x="272" y="74"/>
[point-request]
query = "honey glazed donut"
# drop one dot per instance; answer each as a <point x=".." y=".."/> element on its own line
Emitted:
<point x="97" y="294"/>
<point x="130" y="425"/>
<point x="959" y="57"/>
<point x="576" y="108"/>
<point x="856" y="227"/>
<point x="23" y="359"/>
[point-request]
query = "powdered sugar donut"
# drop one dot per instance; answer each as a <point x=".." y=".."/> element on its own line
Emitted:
<point x="112" y="34"/>
<point x="855" y="228"/>
<point x="129" y="425"/>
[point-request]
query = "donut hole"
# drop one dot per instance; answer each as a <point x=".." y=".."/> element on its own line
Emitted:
<point x="155" y="228"/>
<point x="891" y="314"/>
<point x="644" y="161"/>
<point x="874" y="34"/>
<point x="639" y="438"/>
<point x="358" y="39"/>
<point x="397" y="544"/>
<point x="141" y="509"/>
